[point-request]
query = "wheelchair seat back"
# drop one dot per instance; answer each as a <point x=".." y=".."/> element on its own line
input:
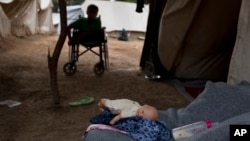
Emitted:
<point x="96" y="39"/>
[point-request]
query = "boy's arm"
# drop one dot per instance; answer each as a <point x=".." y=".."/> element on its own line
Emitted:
<point x="71" y="26"/>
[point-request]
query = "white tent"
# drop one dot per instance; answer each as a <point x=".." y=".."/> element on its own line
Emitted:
<point x="6" y="1"/>
<point x="4" y="25"/>
<point x="240" y="66"/>
<point x="5" y="22"/>
<point x="28" y="17"/>
<point x="46" y="25"/>
<point x="117" y="15"/>
<point x="73" y="13"/>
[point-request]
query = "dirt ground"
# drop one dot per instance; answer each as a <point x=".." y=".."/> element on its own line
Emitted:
<point x="24" y="77"/>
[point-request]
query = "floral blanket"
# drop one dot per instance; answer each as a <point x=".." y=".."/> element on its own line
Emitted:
<point x="137" y="128"/>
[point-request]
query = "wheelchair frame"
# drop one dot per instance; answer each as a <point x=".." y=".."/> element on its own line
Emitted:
<point x="70" y="67"/>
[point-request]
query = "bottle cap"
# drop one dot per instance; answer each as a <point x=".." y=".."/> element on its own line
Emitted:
<point x="209" y="123"/>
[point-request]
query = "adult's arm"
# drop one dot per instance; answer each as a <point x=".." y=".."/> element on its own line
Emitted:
<point x="105" y="135"/>
<point x="221" y="132"/>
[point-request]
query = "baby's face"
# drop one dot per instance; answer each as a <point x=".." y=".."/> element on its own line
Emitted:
<point x="147" y="112"/>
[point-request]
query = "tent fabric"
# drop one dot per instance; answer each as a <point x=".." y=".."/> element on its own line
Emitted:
<point x="45" y="18"/>
<point x="175" y="22"/>
<point x="44" y="4"/>
<point x="28" y="17"/>
<point x="117" y="15"/>
<point x="6" y="1"/>
<point x="22" y="16"/>
<point x="5" y="24"/>
<point x="73" y="13"/>
<point x="240" y="66"/>
<point x="45" y="21"/>
<point x="196" y="38"/>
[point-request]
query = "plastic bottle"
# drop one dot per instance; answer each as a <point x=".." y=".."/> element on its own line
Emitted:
<point x="189" y="130"/>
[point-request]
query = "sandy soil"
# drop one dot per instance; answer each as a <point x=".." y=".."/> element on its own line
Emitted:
<point x="24" y="77"/>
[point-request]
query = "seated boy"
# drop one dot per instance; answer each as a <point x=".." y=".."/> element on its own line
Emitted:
<point x="88" y="28"/>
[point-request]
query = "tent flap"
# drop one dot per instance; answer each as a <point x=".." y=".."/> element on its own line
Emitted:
<point x="4" y="25"/>
<point x="240" y="66"/>
<point x="26" y="18"/>
<point x="196" y="40"/>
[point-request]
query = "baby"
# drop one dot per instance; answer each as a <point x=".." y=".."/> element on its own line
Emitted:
<point x="125" y="108"/>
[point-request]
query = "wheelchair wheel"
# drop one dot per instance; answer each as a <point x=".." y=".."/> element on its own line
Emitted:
<point x="69" y="68"/>
<point x="99" y="69"/>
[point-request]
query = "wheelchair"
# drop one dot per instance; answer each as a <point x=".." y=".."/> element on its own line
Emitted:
<point x="70" y="67"/>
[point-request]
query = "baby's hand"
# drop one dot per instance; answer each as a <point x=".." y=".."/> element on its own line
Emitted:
<point x="115" y="119"/>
